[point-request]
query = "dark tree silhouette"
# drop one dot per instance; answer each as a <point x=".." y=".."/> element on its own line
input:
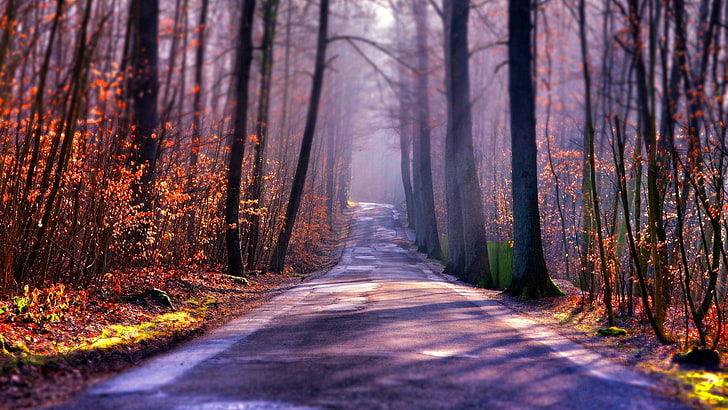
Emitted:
<point x="468" y="257"/>
<point x="196" y="116"/>
<point x="144" y="91"/>
<point x="237" y="145"/>
<point x="405" y="117"/>
<point x="269" y="14"/>
<point x="299" y="180"/>
<point x="425" y="222"/>
<point x="530" y="276"/>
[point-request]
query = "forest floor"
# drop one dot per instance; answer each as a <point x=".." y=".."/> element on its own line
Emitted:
<point x="79" y="338"/>
<point x="46" y="362"/>
<point x="571" y="317"/>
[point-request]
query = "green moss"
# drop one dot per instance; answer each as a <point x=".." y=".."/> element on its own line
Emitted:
<point x="611" y="331"/>
<point x="206" y="300"/>
<point x="106" y="342"/>
<point x="162" y="325"/>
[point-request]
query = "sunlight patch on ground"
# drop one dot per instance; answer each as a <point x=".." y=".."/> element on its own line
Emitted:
<point x="344" y="305"/>
<point x="366" y="257"/>
<point x="244" y="405"/>
<point x="347" y="287"/>
<point x="116" y="334"/>
<point x="447" y="353"/>
<point x="360" y="268"/>
<point x="710" y="388"/>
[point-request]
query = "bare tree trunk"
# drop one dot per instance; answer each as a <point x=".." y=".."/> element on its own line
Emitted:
<point x="237" y="145"/>
<point x="331" y="170"/>
<point x="634" y="252"/>
<point x="530" y="276"/>
<point x="167" y="99"/>
<point x="11" y="9"/>
<point x="455" y="239"/>
<point x="405" y="120"/>
<point x="591" y="165"/>
<point x="299" y="180"/>
<point x="693" y="83"/>
<point x="467" y="201"/>
<point x="426" y="228"/>
<point x="196" y="117"/>
<point x="654" y="197"/>
<point x="269" y="14"/>
<point x="144" y="90"/>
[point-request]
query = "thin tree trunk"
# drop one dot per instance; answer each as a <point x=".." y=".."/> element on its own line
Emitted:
<point x="196" y="118"/>
<point x="330" y="171"/>
<point x="405" y="119"/>
<point x="426" y="229"/>
<point x="655" y="198"/>
<point x="634" y="252"/>
<point x="277" y="263"/>
<point x="237" y="145"/>
<point x="269" y="14"/>
<point x="591" y="160"/>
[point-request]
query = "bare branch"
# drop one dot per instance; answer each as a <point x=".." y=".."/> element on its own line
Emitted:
<point x="487" y="46"/>
<point x="372" y="64"/>
<point x="438" y="10"/>
<point x="352" y="39"/>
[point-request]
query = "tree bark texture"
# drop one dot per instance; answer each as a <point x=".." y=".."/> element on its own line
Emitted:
<point x="426" y="228"/>
<point x="144" y="90"/>
<point x="530" y="276"/>
<point x="470" y="263"/>
<point x="405" y="121"/>
<point x="237" y="144"/>
<point x="269" y="13"/>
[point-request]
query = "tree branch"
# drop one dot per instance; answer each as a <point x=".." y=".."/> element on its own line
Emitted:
<point x="352" y="39"/>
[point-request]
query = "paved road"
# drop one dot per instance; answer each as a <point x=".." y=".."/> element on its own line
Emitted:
<point x="381" y="330"/>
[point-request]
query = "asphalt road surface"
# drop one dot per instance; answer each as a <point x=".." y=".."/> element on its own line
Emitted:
<point x="381" y="330"/>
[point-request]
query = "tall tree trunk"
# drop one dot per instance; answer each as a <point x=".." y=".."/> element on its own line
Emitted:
<point x="237" y="145"/>
<point x="168" y="96"/>
<point x="635" y="256"/>
<point x="405" y="120"/>
<point x="331" y="170"/>
<point x="467" y="200"/>
<point x="455" y="239"/>
<point x="11" y="9"/>
<point x="693" y="84"/>
<point x="269" y="14"/>
<point x="345" y="173"/>
<point x="530" y="276"/>
<point x="426" y="228"/>
<point x="196" y="118"/>
<point x="144" y="91"/>
<point x="655" y="197"/>
<point x="591" y="164"/>
<point x="299" y="180"/>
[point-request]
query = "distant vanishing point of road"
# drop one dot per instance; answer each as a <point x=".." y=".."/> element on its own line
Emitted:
<point x="382" y="330"/>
